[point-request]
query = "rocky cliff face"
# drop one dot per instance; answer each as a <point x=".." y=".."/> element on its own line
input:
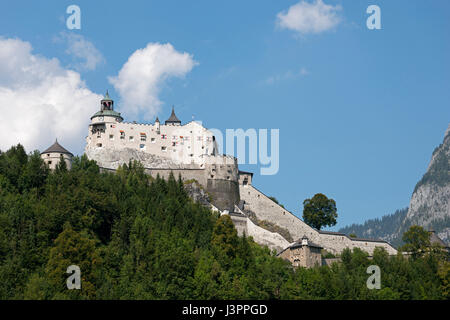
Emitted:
<point x="430" y="202"/>
<point x="113" y="158"/>
<point x="429" y="206"/>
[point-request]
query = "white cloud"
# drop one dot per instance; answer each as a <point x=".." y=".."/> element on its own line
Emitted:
<point x="86" y="56"/>
<point x="288" y="75"/>
<point x="141" y="78"/>
<point x="305" y="17"/>
<point x="41" y="101"/>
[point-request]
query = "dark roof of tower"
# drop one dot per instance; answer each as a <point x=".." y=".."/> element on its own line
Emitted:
<point x="173" y="118"/>
<point x="246" y="172"/>
<point x="157" y="119"/>
<point x="56" y="148"/>
<point x="299" y="244"/>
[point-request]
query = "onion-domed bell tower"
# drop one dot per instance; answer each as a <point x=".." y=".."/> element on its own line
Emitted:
<point x="106" y="113"/>
<point x="107" y="103"/>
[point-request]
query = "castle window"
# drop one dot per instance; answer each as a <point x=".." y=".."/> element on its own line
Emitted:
<point x="164" y="136"/>
<point x="49" y="162"/>
<point x="153" y="140"/>
<point x="142" y="146"/>
<point x="163" y="148"/>
<point x="143" y="137"/>
<point x="111" y="137"/>
<point x="122" y="134"/>
<point x="99" y="145"/>
<point x="174" y="144"/>
<point x="131" y="138"/>
<point x="48" y="154"/>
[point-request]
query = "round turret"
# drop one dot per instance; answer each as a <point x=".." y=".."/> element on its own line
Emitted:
<point x="52" y="156"/>
<point x="106" y="113"/>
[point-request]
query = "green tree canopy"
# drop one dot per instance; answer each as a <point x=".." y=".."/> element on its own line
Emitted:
<point x="417" y="241"/>
<point x="319" y="211"/>
<point x="138" y="237"/>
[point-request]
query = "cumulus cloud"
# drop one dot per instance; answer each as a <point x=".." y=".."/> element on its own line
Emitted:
<point x="86" y="56"/>
<point x="142" y="77"/>
<point x="305" y="17"/>
<point x="41" y="101"/>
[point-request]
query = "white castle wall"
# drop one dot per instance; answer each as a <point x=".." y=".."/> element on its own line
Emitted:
<point x="185" y="144"/>
<point x="272" y="240"/>
<point x="266" y="209"/>
<point x="52" y="159"/>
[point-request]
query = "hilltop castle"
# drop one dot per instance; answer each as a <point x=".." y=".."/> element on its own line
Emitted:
<point x="190" y="150"/>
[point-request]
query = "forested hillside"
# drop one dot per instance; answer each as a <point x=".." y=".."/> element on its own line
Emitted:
<point x="135" y="237"/>
<point x="385" y="228"/>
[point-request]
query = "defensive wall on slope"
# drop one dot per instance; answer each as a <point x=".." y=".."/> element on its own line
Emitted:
<point x="266" y="209"/>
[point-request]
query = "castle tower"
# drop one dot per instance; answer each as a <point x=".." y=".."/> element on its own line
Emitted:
<point x="52" y="156"/>
<point x="173" y="119"/>
<point x="106" y="113"/>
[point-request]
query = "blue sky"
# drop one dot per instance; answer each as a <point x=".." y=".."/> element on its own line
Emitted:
<point x="359" y="111"/>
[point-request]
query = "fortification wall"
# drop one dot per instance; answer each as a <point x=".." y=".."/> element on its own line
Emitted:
<point x="334" y="243"/>
<point x="261" y="236"/>
<point x="186" y="174"/>
<point x="266" y="209"/>
<point x="240" y="223"/>
<point x="369" y="246"/>
<point x="225" y="193"/>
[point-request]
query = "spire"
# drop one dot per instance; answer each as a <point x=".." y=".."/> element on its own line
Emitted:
<point x="157" y="119"/>
<point x="173" y="119"/>
<point x="107" y="96"/>
<point x="107" y="103"/>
